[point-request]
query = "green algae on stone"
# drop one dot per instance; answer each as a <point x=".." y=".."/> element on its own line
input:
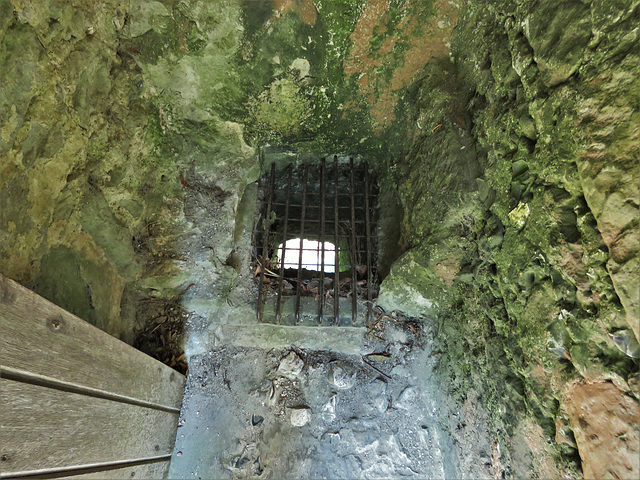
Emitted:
<point x="411" y="287"/>
<point x="518" y="215"/>
<point x="282" y="110"/>
<point x="61" y="281"/>
<point x="540" y="267"/>
<point x="101" y="120"/>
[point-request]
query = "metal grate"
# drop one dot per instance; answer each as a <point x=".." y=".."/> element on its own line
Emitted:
<point x="333" y="202"/>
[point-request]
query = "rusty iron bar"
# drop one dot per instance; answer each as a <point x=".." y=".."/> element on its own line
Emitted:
<point x="354" y="275"/>
<point x="266" y="223"/>
<point x="302" y="217"/>
<point x="357" y="242"/>
<point x="368" y="232"/>
<point x="284" y="247"/>
<point x="336" y="268"/>
<point x="322" y="246"/>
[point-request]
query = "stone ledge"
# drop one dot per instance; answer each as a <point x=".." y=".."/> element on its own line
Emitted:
<point x="349" y="340"/>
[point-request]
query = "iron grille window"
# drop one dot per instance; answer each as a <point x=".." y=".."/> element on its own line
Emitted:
<point x="314" y="243"/>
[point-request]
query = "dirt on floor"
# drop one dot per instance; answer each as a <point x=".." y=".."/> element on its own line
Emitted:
<point x="301" y="413"/>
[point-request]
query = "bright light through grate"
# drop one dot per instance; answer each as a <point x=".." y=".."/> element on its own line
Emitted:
<point x="311" y="255"/>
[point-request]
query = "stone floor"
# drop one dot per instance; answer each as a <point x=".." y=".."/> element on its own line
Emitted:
<point x="316" y="408"/>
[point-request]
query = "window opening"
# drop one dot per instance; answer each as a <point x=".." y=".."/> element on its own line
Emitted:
<point x="304" y="208"/>
<point x="315" y="255"/>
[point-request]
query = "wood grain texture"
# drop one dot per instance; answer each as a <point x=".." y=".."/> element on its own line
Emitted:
<point x="39" y="337"/>
<point x="154" y="468"/>
<point x="157" y="470"/>
<point x="46" y="428"/>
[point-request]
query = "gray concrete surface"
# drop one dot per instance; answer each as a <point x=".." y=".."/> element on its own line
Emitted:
<point x="290" y="412"/>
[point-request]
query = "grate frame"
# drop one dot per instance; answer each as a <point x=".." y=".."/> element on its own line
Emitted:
<point x="326" y="201"/>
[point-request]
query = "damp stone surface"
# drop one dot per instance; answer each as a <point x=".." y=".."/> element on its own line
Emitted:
<point x="505" y="140"/>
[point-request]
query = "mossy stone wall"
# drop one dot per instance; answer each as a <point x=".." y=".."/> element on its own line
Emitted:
<point x="520" y="191"/>
<point x="130" y="132"/>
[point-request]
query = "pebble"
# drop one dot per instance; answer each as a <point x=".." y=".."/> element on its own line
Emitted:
<point x="341" y="375"/>
<point x="300" y="416"/>
<point x="256" y="420"/>
<point x="329" y="409"/>
<point x="291" y="365"/>
<point x="377" y="392"/>
<point x="407" y="399"/>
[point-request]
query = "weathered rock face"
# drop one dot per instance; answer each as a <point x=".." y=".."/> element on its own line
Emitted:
<point x="129" y="140"/>
<point x="608" y="436"/>
<point x="520" y="189"/>
<point x="100" y="109"/>
<point x="112" y="115"/>
<point x="73" y="130"/>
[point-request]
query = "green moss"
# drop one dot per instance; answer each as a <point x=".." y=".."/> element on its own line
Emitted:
<point x="254" y="15"/>
<point x="99" y="222"/>
<point x="411" y="286"/>
<point x="282" y="110"/>
<point x="533" y="265"/>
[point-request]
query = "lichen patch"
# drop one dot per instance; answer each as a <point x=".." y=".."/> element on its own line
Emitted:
<point x="305" y="9"/>
<point x="387" y="60"/>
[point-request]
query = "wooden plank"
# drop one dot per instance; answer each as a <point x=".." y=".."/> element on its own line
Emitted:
<point x="39" y="337"/>
<point x="152" y="469"/>
<point x="156" y="470"/>
<point x="44" y="428"/>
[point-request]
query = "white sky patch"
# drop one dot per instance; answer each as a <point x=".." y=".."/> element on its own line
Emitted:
<point x="311" y="254"/>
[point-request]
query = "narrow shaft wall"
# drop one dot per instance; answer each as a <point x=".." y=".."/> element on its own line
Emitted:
<point x="520" y="192"/>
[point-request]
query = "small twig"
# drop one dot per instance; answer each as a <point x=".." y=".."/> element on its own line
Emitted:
<point x="375" y="368"/>
<point x="266" y="270"/>
<point x="226" y="380"/>
<point x="157" y="327"/>
<point x="269" y="272"/>
<point x="184" y="182"/>
<point x="373" y="335"/>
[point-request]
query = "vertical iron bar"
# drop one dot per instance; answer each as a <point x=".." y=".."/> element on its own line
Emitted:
<point x="284" y="241"/>
<point x="354" y="276"/>
<point x="321" y="286"/>
<point x="265" y="240"/>
<point x="336" y="274"/>
<point x="367" y="219"/>
<point x="304" y="207"/>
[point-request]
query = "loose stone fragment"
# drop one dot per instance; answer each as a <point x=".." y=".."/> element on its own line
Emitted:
<point x="300" y="416"/>
<point x="341" y="375"/>
<point x="256" y="420"/>
<point x="291" y="365"/>
<point x="329" y="409"/>
<point x="407" y="398"/>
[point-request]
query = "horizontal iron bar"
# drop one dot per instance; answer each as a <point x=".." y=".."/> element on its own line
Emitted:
<point x="31" y="378"/>
<point x="85" y="469"/>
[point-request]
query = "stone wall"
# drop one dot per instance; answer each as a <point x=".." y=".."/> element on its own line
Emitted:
<point x="130" y="132"/>
<point x="109" y="115"/>
<point x="113" y="114"/>
<point x="520" y="187"/>
<point x="73" y="142"/>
